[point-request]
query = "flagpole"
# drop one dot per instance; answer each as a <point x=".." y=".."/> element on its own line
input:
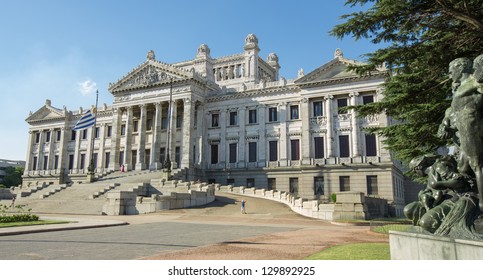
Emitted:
<point x="90" y="169"/>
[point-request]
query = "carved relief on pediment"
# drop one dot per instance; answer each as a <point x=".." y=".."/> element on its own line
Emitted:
<point x="145" y="77"/>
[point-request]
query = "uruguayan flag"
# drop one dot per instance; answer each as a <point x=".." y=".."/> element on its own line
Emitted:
<point x="87" y="120"/>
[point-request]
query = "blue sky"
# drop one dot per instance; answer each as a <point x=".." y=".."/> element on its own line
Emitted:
<point x="65" y="50"/>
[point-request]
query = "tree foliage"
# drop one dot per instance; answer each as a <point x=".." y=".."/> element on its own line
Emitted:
<point x="422" y="38"/>
<point x="13" y="176"/>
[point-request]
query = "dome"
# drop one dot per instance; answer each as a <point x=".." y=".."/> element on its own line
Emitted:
<point x="272" y="57"/>
<point x="204" y="49"/>
<point x="251" y="39"/>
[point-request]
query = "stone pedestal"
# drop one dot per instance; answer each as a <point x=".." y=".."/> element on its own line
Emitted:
<point x="91" y="177"/>
<point x="418" y="246"/>
<point x="167" y="175"/>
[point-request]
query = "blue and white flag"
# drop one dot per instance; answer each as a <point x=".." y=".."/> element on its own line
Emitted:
<point x="87" y="120"/>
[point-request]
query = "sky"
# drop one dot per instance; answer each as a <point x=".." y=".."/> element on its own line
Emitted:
<point x="66" y="50"/>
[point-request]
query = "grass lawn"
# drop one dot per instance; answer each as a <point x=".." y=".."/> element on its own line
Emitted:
<point x="394" y="227"/>
<point x="359" y="251"/>
<point x="33" y="223"/>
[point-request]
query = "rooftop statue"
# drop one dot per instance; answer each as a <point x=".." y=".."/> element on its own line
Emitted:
<point x="453" y="198"/>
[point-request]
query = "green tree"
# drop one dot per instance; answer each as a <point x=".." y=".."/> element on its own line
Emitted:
<point x="421" y="38"/>
<point x="13" y="176"/>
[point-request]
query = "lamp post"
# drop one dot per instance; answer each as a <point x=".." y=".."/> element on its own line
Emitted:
<point x="167" y="161"/>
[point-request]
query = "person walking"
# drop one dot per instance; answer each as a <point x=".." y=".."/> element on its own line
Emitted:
<point x="243" y="206"/>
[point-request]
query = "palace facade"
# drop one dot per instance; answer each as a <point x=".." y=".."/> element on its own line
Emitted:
<point x="234" y="121"/>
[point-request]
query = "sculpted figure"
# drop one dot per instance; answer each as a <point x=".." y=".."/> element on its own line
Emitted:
<point x="441" y="193"/>
<point x="466" y="107"/>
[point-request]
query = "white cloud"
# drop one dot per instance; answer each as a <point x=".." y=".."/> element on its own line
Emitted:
<point x="87" y="87"/>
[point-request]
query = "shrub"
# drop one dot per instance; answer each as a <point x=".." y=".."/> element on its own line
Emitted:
<point x="333" y="197"/>
<point x="18" y="214"/>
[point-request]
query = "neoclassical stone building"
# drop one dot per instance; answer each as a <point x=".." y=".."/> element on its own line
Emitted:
<point x="234" y="121"/>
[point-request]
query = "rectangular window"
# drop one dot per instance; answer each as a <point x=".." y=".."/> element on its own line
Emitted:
<point x="371" y="146"/>
<point x="135" y="125"/>
<point x="123" y="129"/>
<point x="121" y="158"/>
<point x="177" y="155"/>
<point x="230" y="181"/>
<point x="134" y="157"/>
<point x="214" y="153"/>
<point x="46" y="162"/>
<point x="295" y="149"/>
<point x="56" y="161"/>
<point x="318" y="147"/>
<point x="233" y="118"/>
<point x="107" y="160"/>
<point x="37" y="138"/>
<point x="59" y="135"/>
<point x="272" y="114"/>
<point x="250" y="182"/>
<point x="94" y="160"/>
<point x="372" y="184"/>
<point x="344" y="183"/>
<point x="72" y="135"/>
<point x="233" y="149"/>
<point x="109" y="130"/>
<point x="164" y="123"/>
<point x="294" y="186"/>
<point x="34" y="164"/>
<point x="273" y="150"/>
<point x="84" y="134"/>
<point x="149" y="124"/>
<point x="252" y="151"/>
<point x="271" y="184"/>
<point x="252" y="116"/>
<point x="341" y="106"/>
<point x="162" y="155"/>
<point x="71" y="162"/>
<point x="215" y="120"/>
<point x="318" y="109"/>
<point x="318" y="185"/>
<point x="83" y="161"/>
<point x="366" y="99"/>
<point x="179" y="121"/>
<point x="294" y="112"/>
<point x="47" y="136"/>
<point x="344" y="150"/>
<point x="98" y="132"/>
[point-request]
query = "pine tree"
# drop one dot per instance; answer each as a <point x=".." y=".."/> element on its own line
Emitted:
<point x="422" y="37"/>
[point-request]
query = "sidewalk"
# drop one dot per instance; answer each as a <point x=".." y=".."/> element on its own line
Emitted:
<point x="74" y="223"/>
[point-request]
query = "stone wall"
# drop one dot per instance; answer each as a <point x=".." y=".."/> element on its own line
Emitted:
<point x="142" y="200"/>
<point x="349" y="205"/>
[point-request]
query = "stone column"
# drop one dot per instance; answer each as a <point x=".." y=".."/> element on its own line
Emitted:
<point x="187" y="148"/>
<point x="305" y="149"/>
<point x="155" y="146"/>
<point x="282" y="108"/>
<point x="140" y="165"/>
<point x="330" y="126"/>
<point x="355" y="126"/>
<point x="90" y="146"/>
<point x="262" y="143"/>
<point x="172" y="140"/>
<point x="41" y="151"/>
<point x="200" y="128"/>
<point x="77" y="150"/>
<point x="222" y="149"/>
<point x="50" y="164"/>
<point x="128" y="143"/>
<point x="29" y="153"/>
<point x="63" y="164"/>
<point x="241" y="137"/>
<point x="115" y="139"/>
<point x="101" y="153"/>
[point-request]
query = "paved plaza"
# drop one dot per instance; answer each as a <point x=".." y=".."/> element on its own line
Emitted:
<point x="269" y="230"/>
